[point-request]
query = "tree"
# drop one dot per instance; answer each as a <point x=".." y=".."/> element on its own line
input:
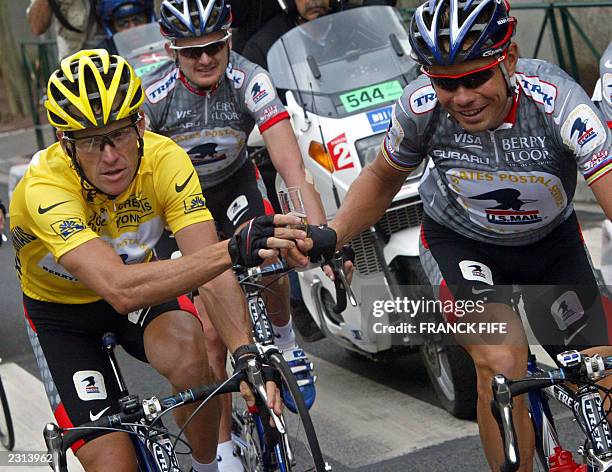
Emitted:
<point x="15" y="83"/>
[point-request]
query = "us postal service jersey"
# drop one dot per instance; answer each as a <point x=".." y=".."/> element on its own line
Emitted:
<point x="213" y="127"/>
<point x="512" y="185"/>
<point x="51" y="214"/>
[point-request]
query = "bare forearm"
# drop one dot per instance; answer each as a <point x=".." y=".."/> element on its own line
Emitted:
<point x="312" y="201"/>
<point x="603" y="193"/>
<point x="39" y="16"/>
<point x="141" y="285"/>
<point x="226" y="307"/>
<point x="368" y="198"/>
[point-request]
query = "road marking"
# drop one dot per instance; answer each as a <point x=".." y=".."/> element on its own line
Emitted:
<point x="30" y="411"/>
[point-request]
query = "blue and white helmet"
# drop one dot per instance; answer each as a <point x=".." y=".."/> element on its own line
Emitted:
<point x="446" y="32"/>
<point x="193" y="18"/>
<point x="110" y="10"/>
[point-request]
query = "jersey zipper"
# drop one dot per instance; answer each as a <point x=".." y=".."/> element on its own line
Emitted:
<point x="206" y="110"/>
<point x="492" y="134"/>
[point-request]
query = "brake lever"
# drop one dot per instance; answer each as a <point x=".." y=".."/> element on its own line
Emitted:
<point x="501" y="408"/>
<point x="255" y="377"/>
<point x="338" y="265"/>
<point x="53" y="439"/>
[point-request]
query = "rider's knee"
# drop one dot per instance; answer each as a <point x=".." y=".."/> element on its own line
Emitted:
<point x="109" y="452"/>
<point x="192" y="365"/>
<point x="510" y="361"/>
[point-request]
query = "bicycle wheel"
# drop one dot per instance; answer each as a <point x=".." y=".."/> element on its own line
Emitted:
<point x="7" y="434"/>
<point x="301" y="435"/>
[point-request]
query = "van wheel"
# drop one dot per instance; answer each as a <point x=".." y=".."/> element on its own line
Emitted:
<point x="449" y="367"/>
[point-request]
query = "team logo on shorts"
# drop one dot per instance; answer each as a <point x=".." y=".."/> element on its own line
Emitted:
<point x="477" y="271"/>
<point x="89" y="385"/>
<point x="566" y="311"/>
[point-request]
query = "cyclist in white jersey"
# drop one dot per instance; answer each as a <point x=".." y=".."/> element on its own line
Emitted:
<point x="208" y="100"/>
<point x="505" y="137"/>
<point x="605" y="82"/>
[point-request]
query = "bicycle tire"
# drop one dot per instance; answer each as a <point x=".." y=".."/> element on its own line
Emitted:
<point x="313" y="449"/>
<point x="7" y="433"/>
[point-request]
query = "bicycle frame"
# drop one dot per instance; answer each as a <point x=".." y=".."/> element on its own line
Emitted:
<point x="585" y="403"/>
<point x="149" y="454"/>
<point x="263" y="334"/>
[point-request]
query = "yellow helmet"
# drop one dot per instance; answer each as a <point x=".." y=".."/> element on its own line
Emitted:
<point x="91" y="89"/>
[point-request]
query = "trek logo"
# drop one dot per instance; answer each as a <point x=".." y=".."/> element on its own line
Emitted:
<point x="423" y="100"/>
<point x="591" y="408"/>
<point x="379" y="119"/>
<point x="181" y="187"/>
<point x="194" y="203"/>
<point x="89" y="385"/>
<point x="68" y="227"/>
<point x="564" y="398"/>
<point x="582" y="131"/>
<point x="261" y="324"/>
<point x="162" y="450"/>
<point x="236" y="76"/>
<point x="42" y="210"/>
<point x="158" y="90"/>
<point x="508" y="211"/>
<point x="468" y="141"/>
<point x="541" y="91"/>
<point x="260" y="92"/>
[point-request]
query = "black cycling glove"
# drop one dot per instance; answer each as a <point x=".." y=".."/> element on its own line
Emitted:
<point x="324" y="241"/>
<point x="244" y="246"/>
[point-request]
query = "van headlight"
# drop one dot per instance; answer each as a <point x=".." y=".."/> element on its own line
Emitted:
<point x="368" y="148"/>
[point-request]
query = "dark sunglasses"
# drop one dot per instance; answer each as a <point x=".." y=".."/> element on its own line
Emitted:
<point x="210" y="49"/>
<point x="470" y="81"/>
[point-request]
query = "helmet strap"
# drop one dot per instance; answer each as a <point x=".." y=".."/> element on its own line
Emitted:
<point x="510" y="80"/>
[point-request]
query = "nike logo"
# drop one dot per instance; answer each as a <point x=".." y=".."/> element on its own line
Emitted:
<point x="97" y="417"/>
<point x="42" y="210"/>
<point x="179" y="188"/>
<point x="608" y="64"/>
<point x="557" y="119"/>
<point x="484" y="290"/>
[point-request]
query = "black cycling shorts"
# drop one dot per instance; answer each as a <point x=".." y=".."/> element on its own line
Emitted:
<point x="561" y="297"/>
<point x="233" y="202"/>
<point x="67" y="343"/>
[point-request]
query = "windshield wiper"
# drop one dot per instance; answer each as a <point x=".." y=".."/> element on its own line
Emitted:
<point x="397" y="47"/>
<point x="314" y="68"/>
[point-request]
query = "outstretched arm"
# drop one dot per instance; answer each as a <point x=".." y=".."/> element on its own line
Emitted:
<point x="287" y="159"/>
<point x="39" y="16"/>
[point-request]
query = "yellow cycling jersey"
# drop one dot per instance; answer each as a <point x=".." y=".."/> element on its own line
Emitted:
<point x="50" y="215"/>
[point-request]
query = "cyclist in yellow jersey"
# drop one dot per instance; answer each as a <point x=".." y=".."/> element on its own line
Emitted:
<point x="84" y="220"/>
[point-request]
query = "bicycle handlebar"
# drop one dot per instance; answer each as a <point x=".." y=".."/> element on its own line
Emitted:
<point x="343" y="287"/>
<point x="577" y="368"/>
